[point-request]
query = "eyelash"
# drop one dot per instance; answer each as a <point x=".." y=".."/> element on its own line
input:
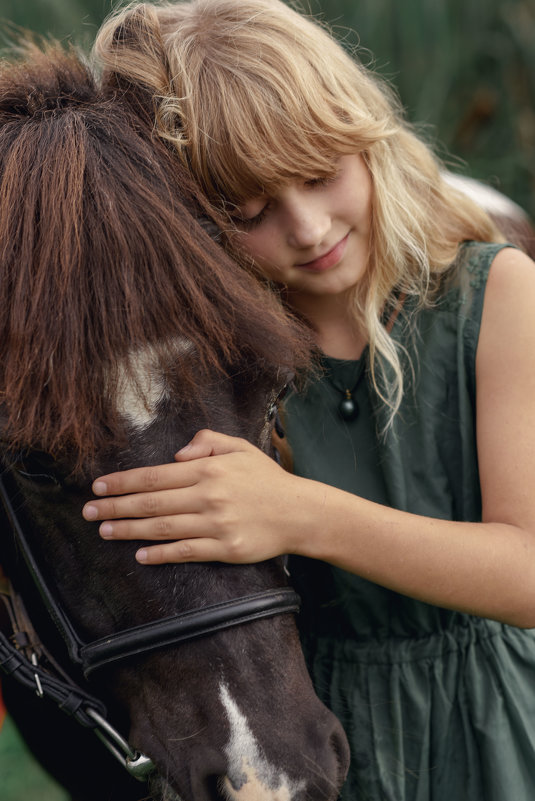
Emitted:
<point x="253" y="222"/>
<point x="324" y="180"/>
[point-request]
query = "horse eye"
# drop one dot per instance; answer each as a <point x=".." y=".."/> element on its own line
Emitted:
<point x="37" y="468"/>
<point x="39" y="478"/>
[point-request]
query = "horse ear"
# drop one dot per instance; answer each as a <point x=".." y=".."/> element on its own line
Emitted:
<point x="42" y="79"/>
<point x="133" y="58"/>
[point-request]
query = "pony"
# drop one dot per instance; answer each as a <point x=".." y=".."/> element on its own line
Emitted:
<point x="124" y="329"/>
<point x="510" y="218"/>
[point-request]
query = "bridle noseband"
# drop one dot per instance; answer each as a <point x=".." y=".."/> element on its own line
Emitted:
<point x="21" y="661"/>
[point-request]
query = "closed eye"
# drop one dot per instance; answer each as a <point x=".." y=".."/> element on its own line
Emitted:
<point x="245" y="223"/>
<point x="250" y="216"/>
<point x="322" y="180"/>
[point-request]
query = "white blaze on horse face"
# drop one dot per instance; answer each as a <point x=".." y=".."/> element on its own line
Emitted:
<point x="140" y="384"/>
<point x="139" y="388"/>
<point x="250" y="777"/>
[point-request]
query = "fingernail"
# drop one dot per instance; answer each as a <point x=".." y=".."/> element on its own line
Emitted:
<point x="185" y="448"/>
<point x="100" y="488"/>
<point x="90" y="512"/>
<point x="141" y="555"/>
<point x="106" y="530"/>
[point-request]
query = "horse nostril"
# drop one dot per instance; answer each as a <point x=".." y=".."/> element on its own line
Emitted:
<point x="215" y="792"/>
<point x="340" y="748"/>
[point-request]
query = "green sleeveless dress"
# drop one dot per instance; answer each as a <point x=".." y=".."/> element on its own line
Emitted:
<point x="437" y="705"/>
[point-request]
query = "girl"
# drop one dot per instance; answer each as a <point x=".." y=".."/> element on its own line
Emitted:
<point x="410" y="510"/>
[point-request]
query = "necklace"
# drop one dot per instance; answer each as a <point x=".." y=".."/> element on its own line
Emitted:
<point x="349" y="374"/>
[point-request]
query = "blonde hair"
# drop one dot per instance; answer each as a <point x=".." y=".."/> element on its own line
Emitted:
<point x="252" y="94"/>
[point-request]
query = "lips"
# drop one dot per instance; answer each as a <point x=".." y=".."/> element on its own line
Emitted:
<point x="328" y="259"/>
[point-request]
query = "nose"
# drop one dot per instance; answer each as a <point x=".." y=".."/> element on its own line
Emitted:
<point x="308" y="220"/>
<point x="309" y="764"/>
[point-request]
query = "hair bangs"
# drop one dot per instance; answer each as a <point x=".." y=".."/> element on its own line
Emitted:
<point x="261" y="140"/>
<point x="243" y="115"/>
<point x="255" y="94"/>
<point x="256" y="155"/>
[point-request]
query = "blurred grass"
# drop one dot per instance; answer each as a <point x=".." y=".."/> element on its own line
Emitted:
<point x="463" y="68"/>
<point x="466" y="69"/>
<point x="77" y="19"/>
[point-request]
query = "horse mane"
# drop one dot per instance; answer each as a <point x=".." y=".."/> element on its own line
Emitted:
<point x="104" y="249"/>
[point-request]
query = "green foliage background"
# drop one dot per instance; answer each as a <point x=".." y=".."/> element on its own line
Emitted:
<point x="463" y="68"/>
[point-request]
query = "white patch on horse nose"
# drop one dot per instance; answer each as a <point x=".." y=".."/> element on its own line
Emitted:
<point x="250" y="776"/>
<point x="140" y="384"/>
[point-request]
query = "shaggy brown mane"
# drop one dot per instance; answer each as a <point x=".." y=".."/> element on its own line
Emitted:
<point x="100" y="255"/>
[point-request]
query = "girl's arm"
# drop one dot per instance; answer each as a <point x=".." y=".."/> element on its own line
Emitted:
<point x="226" y="501"/>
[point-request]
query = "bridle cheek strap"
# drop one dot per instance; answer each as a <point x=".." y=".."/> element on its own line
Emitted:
<point x="117" y="646"/>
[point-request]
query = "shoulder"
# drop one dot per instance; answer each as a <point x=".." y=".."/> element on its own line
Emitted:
<point x="507" y="336"/>
<point x="472" y="266"/>
<point x="487" y="277"/>
<point x="510" y="291"/>
<point x="461" y="288"/>
<point x="485" y="310"/>
<point x="511" y="273"/>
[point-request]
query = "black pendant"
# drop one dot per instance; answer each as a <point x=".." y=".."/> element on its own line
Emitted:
<point x="348" y="408"/>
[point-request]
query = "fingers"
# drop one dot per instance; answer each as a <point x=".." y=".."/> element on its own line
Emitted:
<point x="142" y="504"/>
<point x="145" y="479"/>
<point x="197" y="550"/>
<point x="169" y="476"/>
<point x="211" y="443"/>
<point x="153" y="528"/>
<point x="203" y="508"/>
<point x="187" y="540"/>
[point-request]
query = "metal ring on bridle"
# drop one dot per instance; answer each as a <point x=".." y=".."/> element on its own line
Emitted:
<point x="122" y="644"/>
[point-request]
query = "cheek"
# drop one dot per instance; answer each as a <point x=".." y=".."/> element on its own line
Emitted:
<point x="253" y="243"/>
<point x="264" y="249"/>
<point x="366" y="202"/>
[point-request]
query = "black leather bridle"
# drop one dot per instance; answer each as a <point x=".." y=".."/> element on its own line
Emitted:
<point x="90" y="656"/>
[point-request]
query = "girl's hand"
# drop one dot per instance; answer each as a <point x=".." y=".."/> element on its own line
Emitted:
<point x="222" y="500"/>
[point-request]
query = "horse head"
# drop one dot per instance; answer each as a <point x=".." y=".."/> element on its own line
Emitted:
<point x="508" y="216"/>
<point x="125" y="328"/>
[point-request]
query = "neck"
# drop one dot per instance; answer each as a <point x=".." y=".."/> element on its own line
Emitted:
<point x="336" y="331"/>
<point x="341" y="343"/>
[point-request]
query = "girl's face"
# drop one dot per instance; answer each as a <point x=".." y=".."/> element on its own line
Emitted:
<point x="312" y="237"/>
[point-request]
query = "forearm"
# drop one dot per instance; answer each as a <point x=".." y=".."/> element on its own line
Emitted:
<point x="229" y="502"/>
<point x="487" y="569"/>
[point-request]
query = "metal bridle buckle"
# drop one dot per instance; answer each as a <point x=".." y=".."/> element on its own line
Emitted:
<point x="35" y="663"/>
<point x="113" y="648"/>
